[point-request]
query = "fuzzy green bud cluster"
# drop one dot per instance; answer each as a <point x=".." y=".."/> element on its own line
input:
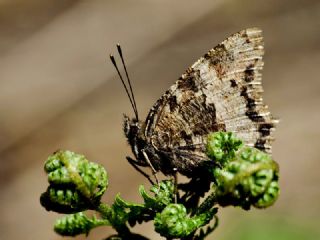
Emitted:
<point x="75" y="184"/>
<point x="248" y="178"/>
<point x="222" y="146"/>
<point x="174" y="222"/>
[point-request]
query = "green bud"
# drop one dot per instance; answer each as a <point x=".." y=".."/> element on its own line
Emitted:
<point x="63" y="200"/>
<point x="269" y="196"/>
<point x="173" y="221"/>
<point x="250" y="179"/>
<point x="221" y="146"/>
<point x="75" y="183"/>
<point x="75" y="224"/>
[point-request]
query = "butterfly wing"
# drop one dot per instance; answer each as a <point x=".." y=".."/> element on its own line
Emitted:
<point x="220" y="92"/>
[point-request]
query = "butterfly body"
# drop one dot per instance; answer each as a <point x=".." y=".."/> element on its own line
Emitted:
<point x="168" y="160"/>
<point x="220" y="92"/>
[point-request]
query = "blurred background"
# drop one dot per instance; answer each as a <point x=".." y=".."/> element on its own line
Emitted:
<point x="58" y="90"/>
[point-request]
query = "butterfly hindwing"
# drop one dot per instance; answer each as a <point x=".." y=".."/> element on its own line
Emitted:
<point x="220" y="92"/>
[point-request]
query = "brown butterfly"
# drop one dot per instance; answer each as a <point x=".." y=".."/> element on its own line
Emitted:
<point x="221" y="91"/>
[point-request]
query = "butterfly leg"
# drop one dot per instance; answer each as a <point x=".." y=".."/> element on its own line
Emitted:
<point x="135" y="164"/>
<point x="154" y="172"/>
<point x="175" y="179"/>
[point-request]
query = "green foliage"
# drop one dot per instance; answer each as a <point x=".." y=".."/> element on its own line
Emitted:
<point x="240" y="176"/>
<point x="78" y="223"/>
<point x="222" y="146"/>
<point x="174" y="222"/>
<point x="163" y="195"/>
<point x="122" y="212"/>
<point x="75" y="184"/>
<point x="204" y="232"/>
<point x="250" y="179"/>
<point x="63" y="200"/>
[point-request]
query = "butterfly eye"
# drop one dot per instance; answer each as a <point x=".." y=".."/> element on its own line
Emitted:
<point x="126" y="126"/>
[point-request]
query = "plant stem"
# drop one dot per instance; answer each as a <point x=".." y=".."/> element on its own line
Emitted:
<point x="208" y="203"/>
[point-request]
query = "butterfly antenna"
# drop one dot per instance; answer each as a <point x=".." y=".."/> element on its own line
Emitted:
<point x="130" y="86"/>
<point x="124" y="85"/>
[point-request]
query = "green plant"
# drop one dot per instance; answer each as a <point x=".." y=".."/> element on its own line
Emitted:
<point x="237" y="176"/>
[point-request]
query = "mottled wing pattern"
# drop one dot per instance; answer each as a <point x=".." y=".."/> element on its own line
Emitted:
<point x="220" y="92"/>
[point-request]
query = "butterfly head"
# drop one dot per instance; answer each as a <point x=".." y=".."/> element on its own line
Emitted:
<point x="131" y="128"/>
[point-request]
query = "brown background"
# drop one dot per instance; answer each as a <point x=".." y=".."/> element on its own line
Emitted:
<point x="58" y="91"/>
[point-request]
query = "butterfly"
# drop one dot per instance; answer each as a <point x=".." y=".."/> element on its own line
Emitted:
<point x="221" y="91"/>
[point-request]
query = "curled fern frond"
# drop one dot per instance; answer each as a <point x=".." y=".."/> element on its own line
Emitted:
<point x="269" y="196"/>
<point x="75" y="224"/>
<point x="63" y="200"/>
<point x="74" y="183"/>
<point x="174" y="222"/>
<point x="248" y="179"/>
<point x="221" y="146"/>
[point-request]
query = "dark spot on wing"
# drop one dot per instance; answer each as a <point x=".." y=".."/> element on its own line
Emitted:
<point x="249" y="73"/>
<point x="210" y="107"/>
<point x="188" y="83"/>
<point x="260" y="144"/>
<point x="186" y="137"/>
<point x="251" y="103"/>
<point x="172" y="101"/>
<point x="233" y="83"/>
<point x="220" y="58"/>
<point x="264" y="129"/>
<point x="200" y="129"/>
<point x="245" y="35"/>
<point x="254" y="116"/>
<point x="251" y="112"/>
<point x="210" y="121"/>
<point x="217" y="55"/>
